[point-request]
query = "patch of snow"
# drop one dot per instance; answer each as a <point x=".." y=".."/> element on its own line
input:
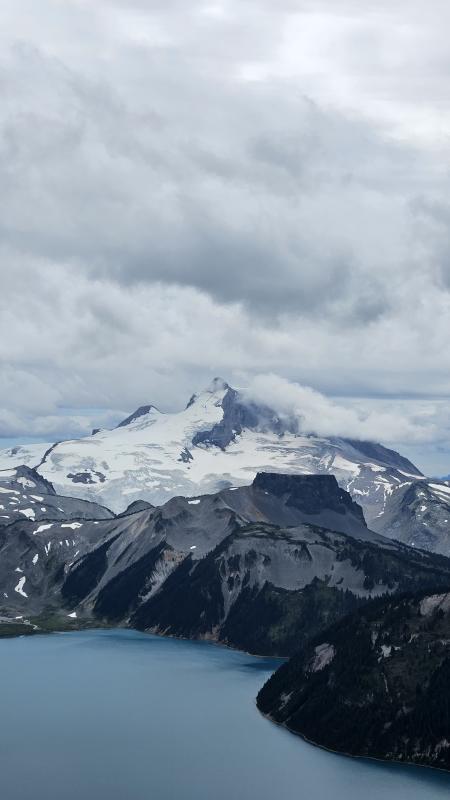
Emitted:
<point x="36" y="497"/>
<point x="19" y="587"/>
<point x="35" y="558"/>
<point x="27" y="512"/>
<point x="193" y="502"/>
<point x="339" y="462"/>
<point x="386" y="650"/>
<point x="73" y="615"/>
<point x="73" y="525"/>
<point x="17" y="569"/>
<point x="26" y="483"/>
<point x="437" y="487"/>
<point x="42" y="528"/>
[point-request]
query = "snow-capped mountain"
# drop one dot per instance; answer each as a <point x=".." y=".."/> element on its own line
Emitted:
<point x="219" y="440"/>
<point x="24" y="494"/>
<point x="419" y="515"/>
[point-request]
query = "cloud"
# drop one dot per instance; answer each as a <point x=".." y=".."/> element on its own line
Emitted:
<point x="222" y="187"/>
<point x="52" y="428"/>
<point x="250" y="191"/>
<point x="323" y="416"/>
<point x="419" y="429"/>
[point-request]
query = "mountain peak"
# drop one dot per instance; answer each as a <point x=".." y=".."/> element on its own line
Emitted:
<point x="217" y="384"/>
<point x="140" y="412"/>
<point x="309" y="493"/>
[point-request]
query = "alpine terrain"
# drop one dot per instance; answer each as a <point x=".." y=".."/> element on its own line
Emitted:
<point x="230" y="524"/>
<point x="220" y="440"/>
<point x="260" y="567"/>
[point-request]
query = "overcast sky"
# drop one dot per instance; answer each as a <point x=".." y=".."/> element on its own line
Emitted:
<point x="249" y="188"/>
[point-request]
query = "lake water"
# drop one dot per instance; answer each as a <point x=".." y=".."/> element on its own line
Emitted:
<point x="118" y="715"/>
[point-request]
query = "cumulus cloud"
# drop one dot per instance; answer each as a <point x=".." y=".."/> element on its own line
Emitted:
<point x="320" y="415"/>
<point x="419" y="429"/>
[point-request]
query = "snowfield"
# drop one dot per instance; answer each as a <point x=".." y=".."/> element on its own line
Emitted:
<point x="155" y="456"/>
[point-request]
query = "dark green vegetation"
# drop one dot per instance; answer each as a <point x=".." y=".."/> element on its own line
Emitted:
<point x="45" y="623"/>
<point x="274" y="620"/>
<point x="375" y="684"/>
<point x="230" y="595"/>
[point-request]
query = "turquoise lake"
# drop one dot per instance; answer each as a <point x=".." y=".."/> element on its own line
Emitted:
<point x="119" y="715"/>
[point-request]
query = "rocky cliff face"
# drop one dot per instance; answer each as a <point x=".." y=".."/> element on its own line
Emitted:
<point x="375" y="684"/>
<point x="260" y="567"/>
<point x="266" y="589"/>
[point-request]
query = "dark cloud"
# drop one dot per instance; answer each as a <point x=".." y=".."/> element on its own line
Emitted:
<point x="252" y="194"/>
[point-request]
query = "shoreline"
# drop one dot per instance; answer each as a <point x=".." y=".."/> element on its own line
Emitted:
<point x="208" y="640"/>
<point x="97" y="625"/>
<point x="217" y="643"/>
<point x="382" y="761"/>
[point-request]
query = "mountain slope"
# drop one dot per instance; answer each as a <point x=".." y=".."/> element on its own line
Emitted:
<point x="376" y="684"/>
<point x="261" y="567"/>
<point x="267" y="589"/>
<point x="26" y="494"/>
<point x="219" y="440"/>
<point x="65" y="530"/>
<point x="252" y="567"/>
<point x="418" y="515"/>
